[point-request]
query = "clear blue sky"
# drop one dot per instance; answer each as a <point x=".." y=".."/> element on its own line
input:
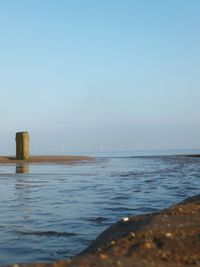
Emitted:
<point x="110" y="74"/>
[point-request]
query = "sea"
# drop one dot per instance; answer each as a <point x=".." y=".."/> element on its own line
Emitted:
<point x="54" y="211"/>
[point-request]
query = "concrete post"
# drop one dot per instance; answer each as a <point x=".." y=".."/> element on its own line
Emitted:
<point x="22" y="145"/>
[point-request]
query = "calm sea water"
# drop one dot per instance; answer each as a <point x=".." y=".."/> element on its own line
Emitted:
<point x="53" y="211"/>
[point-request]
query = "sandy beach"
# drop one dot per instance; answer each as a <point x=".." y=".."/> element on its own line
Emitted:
<point x="45" y="159"/>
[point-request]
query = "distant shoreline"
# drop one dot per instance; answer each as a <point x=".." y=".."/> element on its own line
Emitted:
<point x="193" y="156"/>
<point x="62" y="159"/>
<point x="45" y="159"/>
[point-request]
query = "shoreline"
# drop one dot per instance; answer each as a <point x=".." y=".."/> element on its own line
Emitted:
<point x="68" y="159"/>
<point x="46" y="159"/>
<point x="193" y="155"/>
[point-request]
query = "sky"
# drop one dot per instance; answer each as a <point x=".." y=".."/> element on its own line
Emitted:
<point x="100" y="75"/>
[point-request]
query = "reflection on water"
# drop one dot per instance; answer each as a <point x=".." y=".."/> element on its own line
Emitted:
<point x="22" y="168"/>
<point x="54" y="211"/>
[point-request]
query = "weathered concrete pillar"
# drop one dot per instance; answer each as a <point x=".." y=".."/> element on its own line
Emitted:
<point x="22" y="145"/>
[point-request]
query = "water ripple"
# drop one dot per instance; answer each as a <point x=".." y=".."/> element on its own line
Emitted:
<point x="46" y="233"/>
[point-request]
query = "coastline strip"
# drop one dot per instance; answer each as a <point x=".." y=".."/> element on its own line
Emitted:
<point x="45" y="159"/>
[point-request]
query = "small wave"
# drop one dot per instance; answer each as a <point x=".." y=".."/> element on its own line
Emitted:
<point x="123" y="197"/>
<point x="97" y="219"/>
<point x="119" y="209"/>
<point x="47" y="233"/>
<point x="126" y="174"/>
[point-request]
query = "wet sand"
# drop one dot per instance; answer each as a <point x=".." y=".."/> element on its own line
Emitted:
<point x="169" y="238"/>
<point x="45" y="159"/>
<point x="55" y="159"/>
<point x="194" y="155"/>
